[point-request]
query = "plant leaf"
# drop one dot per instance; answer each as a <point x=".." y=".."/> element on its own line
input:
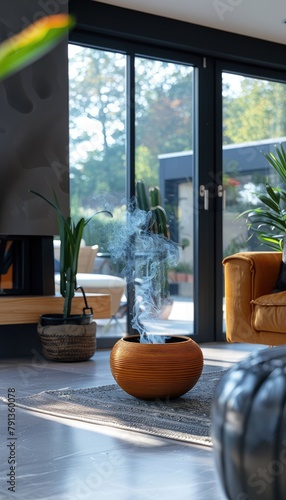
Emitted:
<point x="269" y="202"/>
<point x="33" y="42"/>
<point x="141" y="194"/>
<point x="274" y="194"/>
<point x="278" y="162"/>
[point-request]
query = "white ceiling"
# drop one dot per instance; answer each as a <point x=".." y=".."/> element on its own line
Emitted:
<point x="256" y="18"/>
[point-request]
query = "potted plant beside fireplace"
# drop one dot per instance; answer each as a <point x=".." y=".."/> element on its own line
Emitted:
<point x="66" y="336"/>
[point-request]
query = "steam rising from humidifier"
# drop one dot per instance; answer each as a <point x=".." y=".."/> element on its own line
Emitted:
<point x="146" y="258"/>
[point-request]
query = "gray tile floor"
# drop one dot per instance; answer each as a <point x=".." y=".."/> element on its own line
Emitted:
<point x="68" y="460"/>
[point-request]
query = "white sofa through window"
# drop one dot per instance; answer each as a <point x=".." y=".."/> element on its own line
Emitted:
<point x="91" y="282"/>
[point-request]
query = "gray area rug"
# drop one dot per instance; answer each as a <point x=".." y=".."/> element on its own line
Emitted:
<point x="186" y="418"/>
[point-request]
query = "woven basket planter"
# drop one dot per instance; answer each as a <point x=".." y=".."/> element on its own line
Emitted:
<point x="151" y="371"/>
<point x="68" y="342"/>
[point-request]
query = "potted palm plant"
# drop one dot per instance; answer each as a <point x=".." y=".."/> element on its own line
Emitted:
<point x="68" y="337"/>
<point x="268" y="221"/>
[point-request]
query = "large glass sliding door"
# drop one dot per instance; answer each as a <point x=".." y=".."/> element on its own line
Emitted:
<point x="162" y="154"/>
<point x="254" y="120"/>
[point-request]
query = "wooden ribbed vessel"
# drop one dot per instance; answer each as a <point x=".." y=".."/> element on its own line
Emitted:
<point x="151" y="371"/>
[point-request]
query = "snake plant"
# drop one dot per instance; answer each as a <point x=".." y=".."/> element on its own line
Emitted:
<point x="70" y="237"/>
<point x="268" y="221"/>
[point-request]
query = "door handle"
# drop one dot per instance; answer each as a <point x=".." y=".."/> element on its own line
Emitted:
<point x="221" y="192"/>
<point x="204" y="193"/>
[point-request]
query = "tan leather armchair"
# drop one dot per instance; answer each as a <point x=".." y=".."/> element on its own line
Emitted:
<point x="254" y="314"/>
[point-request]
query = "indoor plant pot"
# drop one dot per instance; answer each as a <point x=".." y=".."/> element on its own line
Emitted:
<point x="70" y="339"/>
<point x="151" y="371"/>
<point x="73" y="340"/>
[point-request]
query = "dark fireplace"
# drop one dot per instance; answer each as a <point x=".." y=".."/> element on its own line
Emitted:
<point x="26" y="265"/>
<point x="34" y="144"/>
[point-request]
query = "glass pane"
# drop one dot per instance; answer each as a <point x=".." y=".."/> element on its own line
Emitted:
<point x="253" y="123"/>
<point x="97" y="163"/>
<point x="164" y="158"/>
<point x="254" y="120"/>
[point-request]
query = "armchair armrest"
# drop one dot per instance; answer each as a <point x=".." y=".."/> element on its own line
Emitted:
<point x="248" y="275"/>
<point x="260" y="268"/>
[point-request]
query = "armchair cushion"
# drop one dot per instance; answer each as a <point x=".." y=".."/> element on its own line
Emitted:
<point x="269" y="313"/>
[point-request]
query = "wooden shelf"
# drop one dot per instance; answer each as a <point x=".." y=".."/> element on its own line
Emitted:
<point x="27" y="309"/>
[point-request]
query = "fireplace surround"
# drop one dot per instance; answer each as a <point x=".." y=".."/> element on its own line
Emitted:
<point x="34" y="144"/>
